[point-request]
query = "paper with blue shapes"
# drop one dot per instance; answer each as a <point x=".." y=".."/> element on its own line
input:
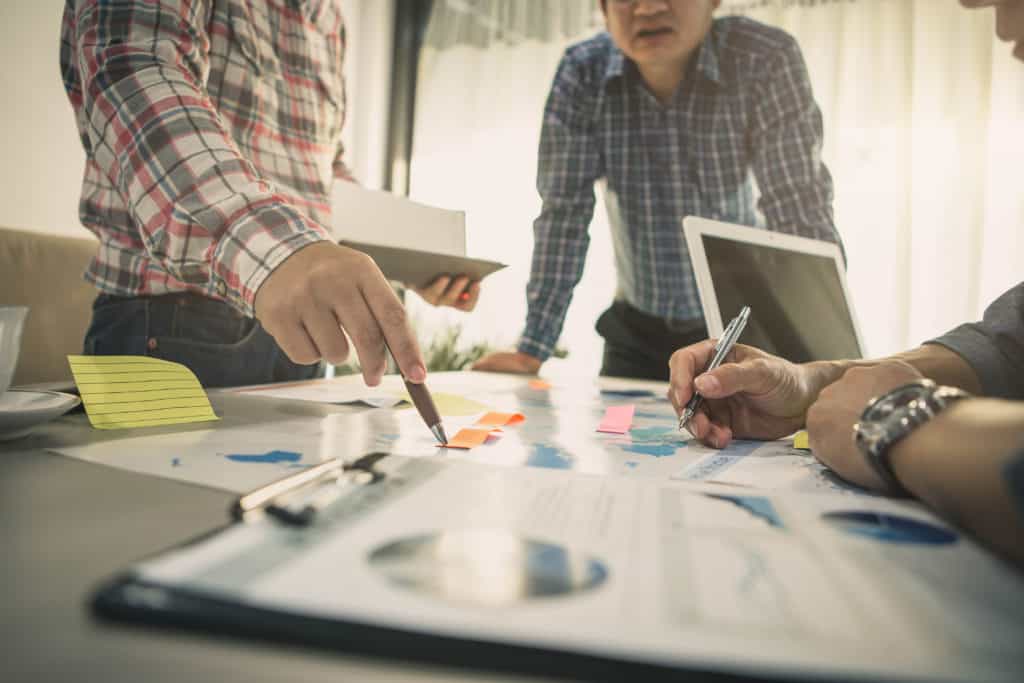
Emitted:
<point x="558" y="433"/>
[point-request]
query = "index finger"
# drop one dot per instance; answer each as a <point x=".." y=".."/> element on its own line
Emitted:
<point x="394" y="324"/>
<point x="684" y="365"/>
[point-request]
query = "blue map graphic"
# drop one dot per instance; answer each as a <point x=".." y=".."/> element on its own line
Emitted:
<point x="628" y="393"/>
<point x="659" y="442"/>
<point x="889" y="528"/>
<point x="268" y="457"/>
<point x="549" y="456"/>
<point x="658" y="450"/>
<point x="756" y="505"/>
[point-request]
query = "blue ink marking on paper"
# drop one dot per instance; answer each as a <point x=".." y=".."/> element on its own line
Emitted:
<point x="758" y="506"/>
<point x="888" y="528"/>
<point x="268" y="457"/>
<point x="628" y="393"/>
<point x="652" y="433"/>
<point x="548" y="456"/>
<point x="657" y="441"/>
<point x="658" y="450"/>
<point x="176" y="462"/>
<point x="739" y="448"/>
<point x="707" y="467"/>
<point x="632" y="465"/>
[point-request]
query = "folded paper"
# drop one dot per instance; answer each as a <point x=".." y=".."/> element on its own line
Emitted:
<point x="500" y="419"/>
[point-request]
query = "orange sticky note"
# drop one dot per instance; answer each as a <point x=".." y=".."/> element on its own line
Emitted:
<point x="500" y="419"/>
<point x="468" y="438"/>
<point x="617" y="419"/>
<point x="539" y="384"/>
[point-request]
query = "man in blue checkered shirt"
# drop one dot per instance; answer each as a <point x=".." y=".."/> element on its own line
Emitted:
<point x="677" y="112"/>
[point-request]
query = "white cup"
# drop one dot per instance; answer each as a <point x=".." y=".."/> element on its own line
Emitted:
<point x="12" y="322"/>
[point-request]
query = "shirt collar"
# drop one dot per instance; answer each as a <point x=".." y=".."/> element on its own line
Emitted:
<point x="707" y="63"/>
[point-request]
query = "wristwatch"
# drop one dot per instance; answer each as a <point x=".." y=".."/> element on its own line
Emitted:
<point x="890" y="417"/>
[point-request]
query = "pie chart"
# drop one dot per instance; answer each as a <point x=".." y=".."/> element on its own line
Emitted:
<point x="485" y="567"/>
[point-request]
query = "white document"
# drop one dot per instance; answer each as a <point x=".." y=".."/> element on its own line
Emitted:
<point x="634" y="569"/>
<point x="559" y="432"/>
<point x="376" y="217"/>
<point x="336" y="391"/>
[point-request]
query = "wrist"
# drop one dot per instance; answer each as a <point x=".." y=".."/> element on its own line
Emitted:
<point x="533" y="349"/>
<point x="819" y="374"/>
<point x="897" y="420"/>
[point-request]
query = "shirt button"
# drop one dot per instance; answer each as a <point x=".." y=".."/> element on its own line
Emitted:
<point x="222" y="289"/>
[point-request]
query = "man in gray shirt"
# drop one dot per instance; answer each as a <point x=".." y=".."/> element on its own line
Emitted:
<point x="943" y="422"/>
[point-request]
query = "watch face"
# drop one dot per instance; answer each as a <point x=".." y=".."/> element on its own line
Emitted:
<point x="896" y="401"/>
<point x="887" y="418"/>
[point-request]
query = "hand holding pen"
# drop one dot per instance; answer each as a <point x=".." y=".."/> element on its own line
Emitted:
<point x="722" y="348"/>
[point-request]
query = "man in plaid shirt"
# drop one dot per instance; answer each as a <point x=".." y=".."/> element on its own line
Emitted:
<point x="675" y="110"/>
<point x="212" y="136"/>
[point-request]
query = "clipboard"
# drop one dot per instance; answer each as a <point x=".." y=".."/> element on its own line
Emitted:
<point x="419" y="268"/>
<point x="303" y="575"/>
<point x="132" y="598"/>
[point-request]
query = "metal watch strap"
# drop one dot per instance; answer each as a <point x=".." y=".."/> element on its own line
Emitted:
<point x="930" y="401"/>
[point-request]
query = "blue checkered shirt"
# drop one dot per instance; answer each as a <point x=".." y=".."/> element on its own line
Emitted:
<point x="743" y="112"/>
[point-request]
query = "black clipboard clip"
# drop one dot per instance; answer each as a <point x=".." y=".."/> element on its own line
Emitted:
<point x="318" y="486"/>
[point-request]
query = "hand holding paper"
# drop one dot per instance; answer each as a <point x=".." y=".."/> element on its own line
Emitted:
<point x="460" y="292"/>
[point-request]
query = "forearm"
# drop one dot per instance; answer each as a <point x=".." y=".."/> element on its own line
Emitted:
<point x="956" y="464"/>
<point x="559" y="253"/>
<point x="933" y="361"/>
<point x="943" y="366"/>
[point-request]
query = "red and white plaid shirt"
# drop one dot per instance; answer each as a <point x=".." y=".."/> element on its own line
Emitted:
<point x="212" y="134"/>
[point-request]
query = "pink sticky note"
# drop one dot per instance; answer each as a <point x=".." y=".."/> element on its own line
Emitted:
<point x="617" y="419"/>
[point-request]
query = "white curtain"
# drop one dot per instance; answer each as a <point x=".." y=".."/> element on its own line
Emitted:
<point x="924" y="128"/>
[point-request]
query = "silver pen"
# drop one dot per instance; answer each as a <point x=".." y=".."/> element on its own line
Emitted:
<point x="725" y="343"/>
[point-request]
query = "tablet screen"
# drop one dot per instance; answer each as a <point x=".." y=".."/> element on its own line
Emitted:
<point x="798" y="307"/>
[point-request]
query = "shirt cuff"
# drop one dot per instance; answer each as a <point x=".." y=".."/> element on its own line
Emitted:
<point x="536" y="348"/>
<point x="256" y="245"/>
<point x="982" y="355"/>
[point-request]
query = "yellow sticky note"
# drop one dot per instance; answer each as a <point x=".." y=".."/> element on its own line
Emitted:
<point x="137" y="391"/>
<point x="452" y="404"/>
<point x="801" y="441"/>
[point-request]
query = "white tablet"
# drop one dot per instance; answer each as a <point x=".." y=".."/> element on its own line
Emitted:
<point x="795" y="287"/>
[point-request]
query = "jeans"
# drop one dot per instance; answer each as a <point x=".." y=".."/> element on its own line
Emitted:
<point x="219" y="344"/>
<point x="639" y="345"/>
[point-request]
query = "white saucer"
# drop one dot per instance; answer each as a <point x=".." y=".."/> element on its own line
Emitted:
<point x="21" y="410"/>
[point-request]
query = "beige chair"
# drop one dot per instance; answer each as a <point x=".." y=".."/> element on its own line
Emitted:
<point x="44" y="272"/>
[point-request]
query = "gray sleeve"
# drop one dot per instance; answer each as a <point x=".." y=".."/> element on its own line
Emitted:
<point x="994" y="347"/>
